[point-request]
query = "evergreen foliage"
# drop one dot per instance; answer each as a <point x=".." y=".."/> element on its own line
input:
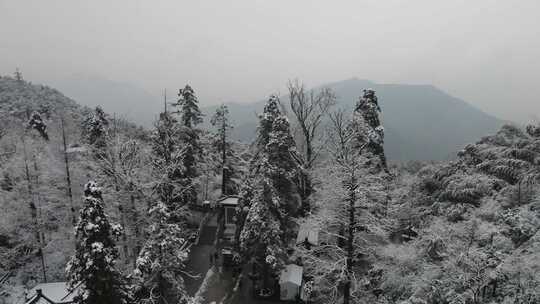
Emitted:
<point x="367" y="126"/>
<point x="463" y="231"/>
<point x="92" y="268"/>
<point x="275" y="156"/>
<point x="173" y="183"/>
<point x="95" y="128"/>
<point x="270" y="196"/>
<point x="263" y="235"/>
<point x="188" y="107"/>
<point x="222" y="126"/>
<point x="39" y="125"/>
<point x="162" y="260"/>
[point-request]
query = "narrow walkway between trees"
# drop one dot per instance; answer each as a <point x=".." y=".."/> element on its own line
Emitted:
<point x="199" y="257"/>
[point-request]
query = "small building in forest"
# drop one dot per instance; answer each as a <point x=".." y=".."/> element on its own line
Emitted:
<point x="51" y="293"/>
<point x="290" y="282"/>
<point x="229" y="204"/>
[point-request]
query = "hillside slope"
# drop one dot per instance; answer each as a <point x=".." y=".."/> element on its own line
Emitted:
<point x="474" y="225"/>
<point x="18" y="98"/>
<point x="33" y="183"/>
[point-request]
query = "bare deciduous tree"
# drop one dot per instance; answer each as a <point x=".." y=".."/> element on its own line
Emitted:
<point x="309" y="108"/>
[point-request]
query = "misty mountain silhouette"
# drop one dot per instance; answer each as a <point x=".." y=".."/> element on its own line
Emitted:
<point x="421" y="121"/>
<point x="124" y="99"/>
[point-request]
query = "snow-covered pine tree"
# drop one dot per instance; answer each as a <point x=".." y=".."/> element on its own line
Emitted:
<point x="281" y="167"/>
<point x="271" y="197"/>
<point x="266" y="119"/>
<point x="95" y="128"/>
<point x="37" y="123"/>
<point x="222" y="126"/>
<point x="276" y="156"/>
<point x="367" y="126"/>
<point x="92" y="269"/>
<point x="162" y="261"/>
<point x="188" y="107"/>
<point x="190" y="115"/>
<point x="173" y="185"/>
<point x="262" y="237"/>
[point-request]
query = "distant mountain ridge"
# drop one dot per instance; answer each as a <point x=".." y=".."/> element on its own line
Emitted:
<point x="124" y="99"/>
<point x="421" y="121"/>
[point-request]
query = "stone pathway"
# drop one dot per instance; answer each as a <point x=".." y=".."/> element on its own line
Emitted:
<point x="214" y="284"/>
<point x="199" y="257"/>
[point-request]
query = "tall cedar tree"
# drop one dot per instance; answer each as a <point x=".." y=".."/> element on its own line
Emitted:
<point x="162" y="261"/>
<point x="190" y="116"/>
<point x="162" y="258"/>
<point x="173" y="184"/>
<point x="188" y="107"/>
<point x="221" y="122"/>
<point x="262" y="237"/>
<point x="368" y="127"/>
<point x="268" y="205"/>
<point x="276" y="155"/>
<point x="92" y="268"/>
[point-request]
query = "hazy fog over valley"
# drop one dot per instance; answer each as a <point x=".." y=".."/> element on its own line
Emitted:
<point x="486" y="52"/>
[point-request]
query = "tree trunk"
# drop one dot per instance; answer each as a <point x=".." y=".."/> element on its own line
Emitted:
<point x="31" y="203"/>
<point x="223" y="160"/>
<point x="125" y="248"/>
<point x="309" y="150"/>
<point x="308" y="162"/>
<point x="124" y="235"/>
<point x="43" y="265"/>
<point x="38" y="201"/>
<point x="135" y="218"/>
<point x="68" y="175"/>
<point x="121" y="215"/>
<point x="519" y="193"/>
<point x="350" y="240"/>
<point x="265" y="274"/>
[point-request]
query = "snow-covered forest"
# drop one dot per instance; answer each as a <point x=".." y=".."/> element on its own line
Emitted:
<point x="97" y="210"/>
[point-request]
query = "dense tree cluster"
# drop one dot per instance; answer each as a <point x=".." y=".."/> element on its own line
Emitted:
<point x="477" y="226"/>
<point x="463" y="231"/>
<point x="350" y="213"/>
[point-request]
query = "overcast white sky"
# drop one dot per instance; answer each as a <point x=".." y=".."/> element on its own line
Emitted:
<point x="484" y="51"/>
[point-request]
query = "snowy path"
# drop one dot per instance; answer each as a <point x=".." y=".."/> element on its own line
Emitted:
<point x="199" y="257"/>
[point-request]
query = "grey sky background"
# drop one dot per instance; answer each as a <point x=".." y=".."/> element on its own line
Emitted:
<point x="484" y="51"/>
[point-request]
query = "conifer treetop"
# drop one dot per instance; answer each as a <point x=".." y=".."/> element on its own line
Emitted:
<point x="188" y="107"/>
